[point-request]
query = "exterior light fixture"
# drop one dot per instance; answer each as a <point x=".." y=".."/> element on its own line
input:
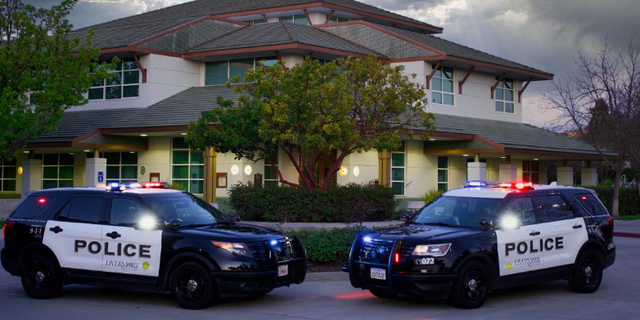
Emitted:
<point x="26" y="151"/>
<point x="465" y="155"/>
<point x="432" y="139"/>
<point x="248" y="170"/>
<point x="235" y="170"/>
<point x="356" y="171"/>
<point x="183" y="133"/>
<point x="343" y="171"/>
<point x="87" y="150"/>
<point x="503" y="157"/>
<point x="535" y="159"/>
<point x="143" y="134"/>
<point x="19" y="171"/>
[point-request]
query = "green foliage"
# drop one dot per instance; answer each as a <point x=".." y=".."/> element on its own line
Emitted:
<point x="311" y="110"/>
<point x="10" y="196"/>
<point x="629" y="199"/>
<point x="431" y="195"/>
<point x="351" y="203"/>
<point x="628" y="218"/>
<point x="176" y="185"/>
<point x="43" y="71"/>
<point x="328" y="245"/>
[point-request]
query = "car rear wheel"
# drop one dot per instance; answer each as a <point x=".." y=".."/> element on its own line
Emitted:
<point x="385" y="294"/>
<point x="587" y="275"/>
<point x="192" y="286"/>
<point x="471" y="288"/>
<point x="40" y="277"/>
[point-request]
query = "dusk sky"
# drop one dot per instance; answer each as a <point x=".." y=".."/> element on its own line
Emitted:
<point x="544" y="34"/>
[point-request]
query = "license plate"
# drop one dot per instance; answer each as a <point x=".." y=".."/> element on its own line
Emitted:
<point x="283" y="270"/>
<point x="378" y="274"/>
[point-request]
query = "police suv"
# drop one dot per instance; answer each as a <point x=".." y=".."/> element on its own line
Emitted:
<point x="482" y="237"/>
<point x="156" y="239"/>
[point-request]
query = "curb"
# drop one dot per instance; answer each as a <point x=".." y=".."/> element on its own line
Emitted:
<point x="626" y="235"/>
<point x="327" y="276"/>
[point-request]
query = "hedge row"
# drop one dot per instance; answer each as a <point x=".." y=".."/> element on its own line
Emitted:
<point x="328" y="245"/>
<point x="350" y="203"/>
<point x="629" y="199"/>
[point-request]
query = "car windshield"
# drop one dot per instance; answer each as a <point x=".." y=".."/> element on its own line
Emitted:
<point x="184" y="206"/>
<point x="458" y="211"/>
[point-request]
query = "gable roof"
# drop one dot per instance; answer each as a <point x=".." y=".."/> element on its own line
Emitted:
<point x="128" y="30"/>
<point x="279" y="33"/>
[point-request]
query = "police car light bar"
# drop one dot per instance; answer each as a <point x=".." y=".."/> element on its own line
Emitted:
<point x="477" y="184"/>
<point x="516" y="185"/>
<point x="154" y="185"/>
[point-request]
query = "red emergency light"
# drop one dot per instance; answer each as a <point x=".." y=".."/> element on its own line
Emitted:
<point x="154" y="185"/>
<point x="516" y="185"/>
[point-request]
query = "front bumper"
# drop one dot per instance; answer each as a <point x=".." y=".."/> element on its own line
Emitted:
<point x="436" y="286"/>
<point x="243" y="283"/>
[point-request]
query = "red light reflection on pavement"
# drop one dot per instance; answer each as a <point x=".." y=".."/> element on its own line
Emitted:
<point x="357" y="295"/>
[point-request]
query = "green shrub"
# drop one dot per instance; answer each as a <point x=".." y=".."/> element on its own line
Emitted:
<point x="328" y="245"/>
<point x="431" y="195"/>
<point x="350" y="203"/>
<point x="629" y="199"/>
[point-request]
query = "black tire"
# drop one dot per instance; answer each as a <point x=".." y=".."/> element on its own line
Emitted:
<point x="192" y="286"/>
<point x="587" y="274"/>
<point x="40" y="277"/>
<point x="385" y="294"/>
<point x="471" y="288"/>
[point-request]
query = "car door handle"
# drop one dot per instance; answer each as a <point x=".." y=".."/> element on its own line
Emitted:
<point x="534" y="233"/>
<point x="113" y="235"/>
<point x="577" y="226"/>
<point x="56" y="229"/>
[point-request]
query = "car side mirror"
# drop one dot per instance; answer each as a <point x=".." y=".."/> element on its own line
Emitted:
<point x="404" y="217"/>
<point x="173" y="224"/>
<point x="485" y="223"/>
<point x="235" y="217"/>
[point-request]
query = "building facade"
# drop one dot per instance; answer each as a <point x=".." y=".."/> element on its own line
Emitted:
<point x="176" y="60"/>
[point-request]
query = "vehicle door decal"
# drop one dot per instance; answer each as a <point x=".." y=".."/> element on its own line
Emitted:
<point x="131" y="251"/>
<point x="76" y="245"/>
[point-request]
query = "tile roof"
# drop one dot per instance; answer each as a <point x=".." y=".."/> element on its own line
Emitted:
<point x="279" y="33"/>
<point x="125" y="31"/>
<point x="191" y="36"/>
<point x="187" y="106"/>
<point x="458" y="50"/>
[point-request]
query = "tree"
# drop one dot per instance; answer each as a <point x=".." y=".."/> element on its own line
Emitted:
<point x="601" y="102"/>
<point x="42" y="71"/>
<point x="312" y="109"/>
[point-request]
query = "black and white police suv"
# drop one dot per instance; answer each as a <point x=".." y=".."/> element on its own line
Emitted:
<point x="472" y="240"/>
<point x="157" y="239"/>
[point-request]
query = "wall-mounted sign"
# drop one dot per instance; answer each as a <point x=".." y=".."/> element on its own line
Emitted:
<point x="143" y="170"/>
<point x="100" y="176"/>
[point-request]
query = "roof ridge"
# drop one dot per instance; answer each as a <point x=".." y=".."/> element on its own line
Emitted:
<point x="216" y="38"/>
<point x="286" y="28"/>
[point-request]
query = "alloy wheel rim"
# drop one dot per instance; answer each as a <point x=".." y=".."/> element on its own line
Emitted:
<point x="191" y="285"/>
<point x="474" y="285"/>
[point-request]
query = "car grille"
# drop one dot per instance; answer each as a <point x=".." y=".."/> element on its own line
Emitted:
<point x="264" y="256"/>
<point x="376" y="251"/>
<point x="260" y="253"/>
<point x="283" y="250"/>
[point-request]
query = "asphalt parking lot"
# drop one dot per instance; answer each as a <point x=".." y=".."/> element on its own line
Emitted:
<point x="618" y="298"/>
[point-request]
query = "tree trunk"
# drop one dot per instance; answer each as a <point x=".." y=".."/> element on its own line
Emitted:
<point x="615" y="207"/>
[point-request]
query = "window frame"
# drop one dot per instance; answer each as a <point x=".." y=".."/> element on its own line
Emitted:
<point x="402" y="151"/>
<point x="69" y="203"/>
<point x="528" y="173"/>
<point x="275" y="180"/>
<point x="442" y="185"/>
<point x="109" y="209"/>
<point x="293" y="18"/>
<point x="120" y="165"/>
<point x="3" y="179"/>
<point x="533" y="211"/>
<point x="121" y="70"/>
<point x="503" y="88"/>
<point x="189" y="165"/>
<point x="58" y="166"/>
<point x="442" y="79"/>
<point x="256" y="61"/>
<point x="570" y="214"/>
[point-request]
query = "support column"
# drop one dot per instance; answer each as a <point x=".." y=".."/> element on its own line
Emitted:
<point x="96" y="172"/>
<point x="210" y="169"/>
<point x="508" y="172"/>
<point x="589" y="176"/>
<point x="565" y="176"/>
<point x="477" y="170"/>
<point x="31" y="175"/>
<point x="384" y="168"/>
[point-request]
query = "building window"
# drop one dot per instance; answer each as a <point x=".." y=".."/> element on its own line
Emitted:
<point x="442" y="86"/>
<point x="122" y="167"/>
<point x="531" y="171"/>
<point x="504" y="96"/>
<point x="270" y="173"/>
<point x="8" y="175"/>
<point x="334" y="19"/>
<point x="297" y="19"/>
<point x="218" y="72"/>
<point x="254" y="21"/>
<point x="443" y="174"/>
<point x="57" y="170"/>
<point x="187" y="167"/>
<point x="398" y="165"/>
<point x="124" y="83"/>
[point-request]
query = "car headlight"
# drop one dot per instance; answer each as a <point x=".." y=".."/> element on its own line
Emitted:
<point x="235" y="248"/>
<point x="434" y="250"/>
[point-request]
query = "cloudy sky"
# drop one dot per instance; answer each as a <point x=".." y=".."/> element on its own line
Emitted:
<point x="544" y="34"/>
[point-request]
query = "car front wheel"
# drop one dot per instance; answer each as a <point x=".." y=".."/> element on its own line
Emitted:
<point x="192" y="286"/>
<point x="471" y="288"/>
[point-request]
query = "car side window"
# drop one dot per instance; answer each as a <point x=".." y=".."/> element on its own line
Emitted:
<point x="125" y="212"/>
<point x="551" y="208"/>
<point x="83" y="209"/>
<point x="523" y="209"/>
<point x="591" y="204"/>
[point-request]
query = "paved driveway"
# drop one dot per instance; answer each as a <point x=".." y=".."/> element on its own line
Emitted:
<point x="618" y="298"/>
